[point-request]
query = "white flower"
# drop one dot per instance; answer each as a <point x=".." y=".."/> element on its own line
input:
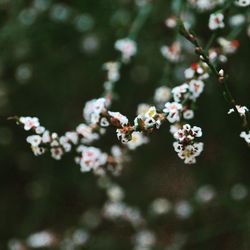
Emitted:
<point x="179" y="92"/>
<point x="40" y="130"/>
<point x="144" y="239"/>
<point x="29" y="122"/>
<point x="149" y="118"/>
<point x="183" y="209"/>
<point x="162" y="94"/>
<point x="123" y="120"/>
<point x="56" y="153"/>
<point x="46" y="138"/>
<point x="185" y="146"/>
<point x="172" y="109"/>
<point x="161" y="206"/>
<point x="245" y="136"/>
<point x="93" y="109"/>
<point x="171" y="22"/>
<point x="115" y="193"/>
<point x="113" y="71"/>
<point x="241" y="109"/>
<point x="72" y="137"/>
<point x="104" y="122"/>
<point x="172" y="53"/>
<point x="87" y="133"/>
<point x="188" y="114"/>
<point x="40" y="240"/>
<point x="122" y="136"/>
<point x="228" y="46"/>
<point x="216" y="21"/>
<point x="91" y="158"/>
<point x="34" y="140"/>
<point x="205" y="194"/>
<point x="196" y="87"/>
<point x="237" y="20"/>
<point x="242" y="3"/>
<point x="37" y="150"/>
<point x="137" y="140"/>
<point x="142" y="108"/>
<point x="127" y="47"/>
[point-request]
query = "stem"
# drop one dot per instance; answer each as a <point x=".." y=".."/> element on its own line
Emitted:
<point x="221" y="79"/>
<point x="139" y="21"/>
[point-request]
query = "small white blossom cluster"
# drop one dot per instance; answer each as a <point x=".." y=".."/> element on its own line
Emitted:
<point x="93" y="109"/>
<point x="185" y="146"/>
<point x="127" y="47"/>
<point x="91" y="158"/>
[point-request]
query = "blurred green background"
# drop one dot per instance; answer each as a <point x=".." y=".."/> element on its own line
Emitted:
<point x="50" y="65"/>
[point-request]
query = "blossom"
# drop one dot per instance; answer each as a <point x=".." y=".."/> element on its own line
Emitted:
<point x="112" y="71"/>
<point x="34" y="140"/>
<point x="144" y="239"/>
<point x="41" y="239"/>
<point x="91" y="158"/>
<point x="196" y="88"/>
<point x="204" y="5"/>
<point x="172" y="109"/>
<point x="56" y="153"/>
<point x="185" y="146"/>
<point x="37" y="150"/>
<point x="148" y="119"/>
<point x="246" y="136"/>
<point x="216" y="21"/>
<point x="196" y="70"/>
<point x="179" y="92"/>
<point x="161" y="206"/>
<point x="162" y="94"/>
<point x="171" y="22"/>
<point x="40" y="130"/>
<point x="87" y="133"/>
<point x="72" y="137"/>
<point x="46" y="138"/>
<point x="117" y="117"/>
<point x="242" y="3"/>
<point x="142" y="108"/>
<point x="188" y="114"/>
<point x="172" y="53"/>
<point x="29" y="122"/>
<point x="93" y="109"/>
<point x="137" y="139"/>
<point x="115" y="193"/>
<point x="241" y="109"/>
<point x="228" y="46"/>
<point x="127" y="47"/>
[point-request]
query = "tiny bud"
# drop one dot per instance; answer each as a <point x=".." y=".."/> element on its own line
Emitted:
<point x="221" y="73"/>
<point x="202" y="58"/>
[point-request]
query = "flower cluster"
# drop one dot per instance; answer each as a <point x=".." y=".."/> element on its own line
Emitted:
<point x="185" y="146"/>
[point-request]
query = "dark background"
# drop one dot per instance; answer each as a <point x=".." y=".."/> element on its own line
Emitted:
<point x="46" y="72"/>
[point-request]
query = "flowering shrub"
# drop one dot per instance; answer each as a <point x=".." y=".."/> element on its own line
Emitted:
<point x="172" y="107"/>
